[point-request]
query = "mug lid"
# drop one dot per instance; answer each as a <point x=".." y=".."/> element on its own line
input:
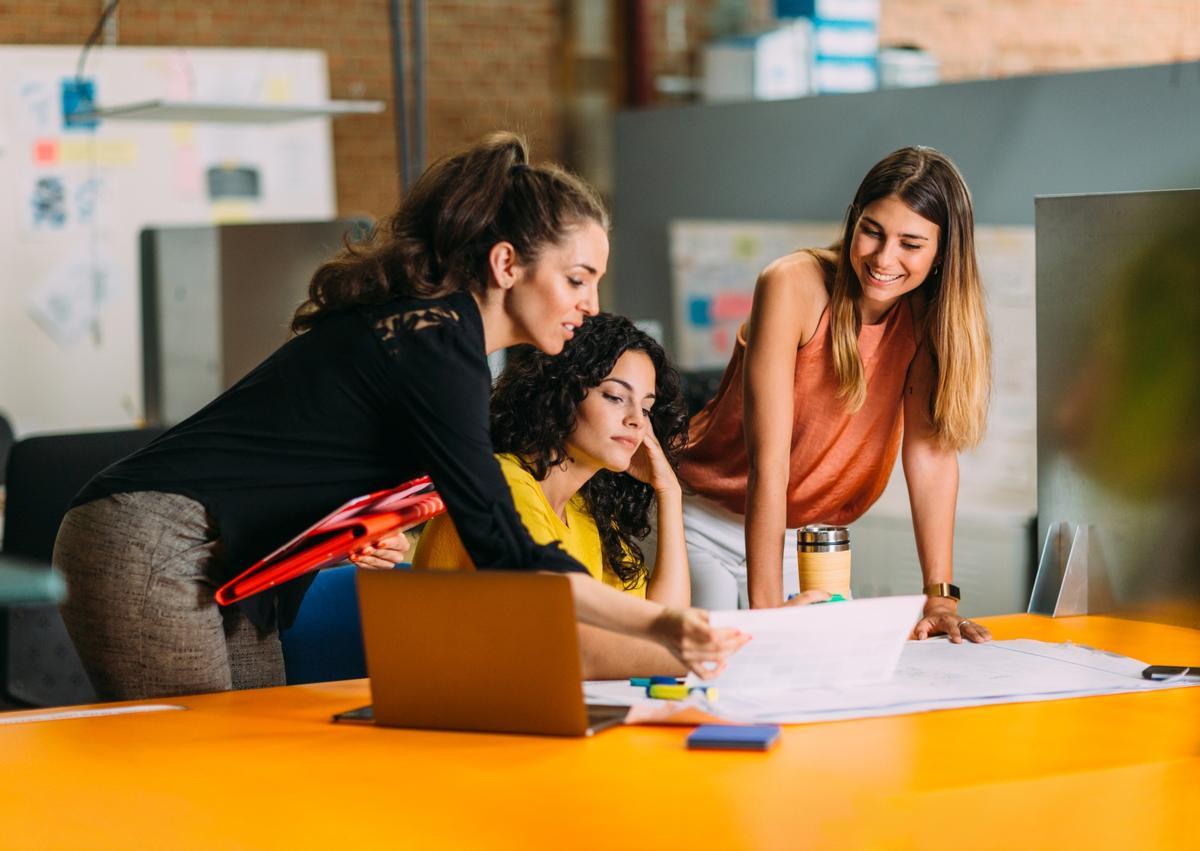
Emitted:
<point x="820" y="533"/>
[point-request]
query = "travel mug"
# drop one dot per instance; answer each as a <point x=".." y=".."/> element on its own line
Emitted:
<point x="823" y="557"/>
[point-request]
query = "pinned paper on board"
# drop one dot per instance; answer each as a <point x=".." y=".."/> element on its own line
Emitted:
<point x="87" y="197"/>
<point x="73" y="191"/>
<point x="47" y="204"/>
<point x="60" y="201"/>
<point x="37" y="112"/>
<point x="714" y="266"/>
<point x="67" y="304"/>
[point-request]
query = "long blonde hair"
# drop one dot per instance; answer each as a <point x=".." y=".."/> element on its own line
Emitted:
<point x="955" y="320"/>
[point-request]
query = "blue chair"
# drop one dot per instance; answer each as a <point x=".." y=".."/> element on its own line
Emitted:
<point x="325" y="641"/>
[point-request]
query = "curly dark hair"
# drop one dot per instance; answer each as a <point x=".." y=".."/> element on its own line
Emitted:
<point x="534" y="407"/>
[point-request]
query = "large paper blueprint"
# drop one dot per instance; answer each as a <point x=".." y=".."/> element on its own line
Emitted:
<point x="931" y="675"/>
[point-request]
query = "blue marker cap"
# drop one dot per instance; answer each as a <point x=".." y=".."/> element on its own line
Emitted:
<point x="646" y="682"/>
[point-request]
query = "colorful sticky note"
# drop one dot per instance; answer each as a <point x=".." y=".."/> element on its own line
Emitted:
<point x="731" y="306"/>
<point x="45" y="151"/>
<point x="698" y="312"/>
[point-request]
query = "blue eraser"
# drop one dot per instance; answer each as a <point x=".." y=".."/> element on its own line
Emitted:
<point x="749" y="737"/>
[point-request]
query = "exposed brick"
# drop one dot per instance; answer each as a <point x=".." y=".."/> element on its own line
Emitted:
<point x="481" y="76"/>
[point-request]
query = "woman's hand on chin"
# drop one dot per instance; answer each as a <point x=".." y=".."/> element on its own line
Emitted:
<point x="650" y="465"/>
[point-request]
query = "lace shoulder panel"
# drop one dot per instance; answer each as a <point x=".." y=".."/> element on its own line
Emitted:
<point x="394" y="325"/>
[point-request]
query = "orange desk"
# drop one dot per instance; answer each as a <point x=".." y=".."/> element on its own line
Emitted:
<point x="267" y="769"/>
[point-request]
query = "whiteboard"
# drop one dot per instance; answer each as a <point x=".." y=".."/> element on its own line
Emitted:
<point x="73" y="201"/>
<point x="714" y="266"/>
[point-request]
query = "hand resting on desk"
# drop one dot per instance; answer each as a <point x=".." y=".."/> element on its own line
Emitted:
<point x="942" y="618"/>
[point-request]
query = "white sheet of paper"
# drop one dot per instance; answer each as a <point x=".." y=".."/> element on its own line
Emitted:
<point x="823" y="645"/>
<point x="936" y="674"/>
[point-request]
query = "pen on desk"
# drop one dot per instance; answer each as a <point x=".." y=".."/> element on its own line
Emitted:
<point x="1163" y="673"/>
<point x="646" y="682"/>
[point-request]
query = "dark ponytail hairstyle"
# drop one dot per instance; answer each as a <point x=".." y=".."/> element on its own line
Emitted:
<point x="534" y="406"/>
<point x="437" y="241"/>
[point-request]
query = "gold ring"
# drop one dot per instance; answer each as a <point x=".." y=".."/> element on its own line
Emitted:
<point x="960" y="623"/>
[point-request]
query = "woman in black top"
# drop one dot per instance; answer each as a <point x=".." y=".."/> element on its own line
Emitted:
<point x="386" y="379"/>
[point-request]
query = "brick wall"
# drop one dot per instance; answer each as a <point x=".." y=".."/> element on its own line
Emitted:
<point x="977" y="38"/>
<point x="498" y="64"/>
<point x="491" y="64"/>
<point x="989" y="38"/>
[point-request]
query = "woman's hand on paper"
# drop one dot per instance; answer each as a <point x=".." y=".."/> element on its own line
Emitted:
<point x="942" y="618"/>
<point x="384" y="554"/>
<point x="695" y="642"/>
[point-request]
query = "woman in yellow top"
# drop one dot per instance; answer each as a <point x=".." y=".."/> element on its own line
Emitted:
<point x="575" y="441"/>
<point x="587" y="441"/>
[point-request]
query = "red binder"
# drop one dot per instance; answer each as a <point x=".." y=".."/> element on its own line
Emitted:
<point x="329" y="541"/>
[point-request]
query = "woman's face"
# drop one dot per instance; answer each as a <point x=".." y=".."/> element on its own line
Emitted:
<point x="613" y="417"/>
<point x="552" y="298"/>
<point x="891" y="251"/>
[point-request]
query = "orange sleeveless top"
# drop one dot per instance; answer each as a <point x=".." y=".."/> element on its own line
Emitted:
<point x="840" y="462"/>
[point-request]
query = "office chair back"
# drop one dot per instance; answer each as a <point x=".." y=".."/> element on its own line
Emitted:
<point x="38" y="662"/>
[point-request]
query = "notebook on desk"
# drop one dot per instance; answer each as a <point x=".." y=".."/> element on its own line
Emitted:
<point x="488" y="651"/>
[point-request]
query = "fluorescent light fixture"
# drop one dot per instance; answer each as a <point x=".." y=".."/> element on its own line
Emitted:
<point x="230" y="113"/>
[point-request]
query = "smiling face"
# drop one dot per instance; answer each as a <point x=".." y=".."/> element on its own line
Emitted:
<point x="892" y="251"/>
<point x="612" y="419"/>
<point x="551" y="299"/>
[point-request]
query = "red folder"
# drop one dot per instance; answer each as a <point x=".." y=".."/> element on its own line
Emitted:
<point x="361" y="521"/>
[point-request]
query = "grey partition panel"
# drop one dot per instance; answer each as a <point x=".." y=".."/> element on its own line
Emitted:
<point x="1118" y="369"/>
<point x="1104" y="131"/>
<point x="217" y="299"/>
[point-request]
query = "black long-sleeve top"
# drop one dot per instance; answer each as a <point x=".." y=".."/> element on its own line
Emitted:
<point x="364" y="400"/>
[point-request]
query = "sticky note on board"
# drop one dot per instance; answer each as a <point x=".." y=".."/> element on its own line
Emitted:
<point x="45" y="151"/>
<point x="699" y="313"/>
<point x="731" y="306"/>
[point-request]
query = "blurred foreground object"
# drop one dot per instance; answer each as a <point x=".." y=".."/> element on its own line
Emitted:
<point x="1118" y="329"/>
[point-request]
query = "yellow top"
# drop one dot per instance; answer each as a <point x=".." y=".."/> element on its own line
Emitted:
<point x="441" y="548"/>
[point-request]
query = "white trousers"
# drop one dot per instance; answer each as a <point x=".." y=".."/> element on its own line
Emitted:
<point x="716" y="548"/>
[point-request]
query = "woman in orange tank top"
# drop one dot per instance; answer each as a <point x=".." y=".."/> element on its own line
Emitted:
<point x="876" y="346"/>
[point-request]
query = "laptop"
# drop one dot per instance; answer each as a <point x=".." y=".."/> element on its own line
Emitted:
<point x="488" y="651"/>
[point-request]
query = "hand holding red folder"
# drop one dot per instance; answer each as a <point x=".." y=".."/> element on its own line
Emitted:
<point x="360" y="522"/>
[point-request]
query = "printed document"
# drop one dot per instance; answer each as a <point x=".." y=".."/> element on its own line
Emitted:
<point x="856" y="642"/>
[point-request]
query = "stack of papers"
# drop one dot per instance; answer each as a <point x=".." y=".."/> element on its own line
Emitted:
<point x="856" y="667"/>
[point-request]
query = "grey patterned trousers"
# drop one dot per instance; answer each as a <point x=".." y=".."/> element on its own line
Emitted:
<point x="141" y="571"/>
